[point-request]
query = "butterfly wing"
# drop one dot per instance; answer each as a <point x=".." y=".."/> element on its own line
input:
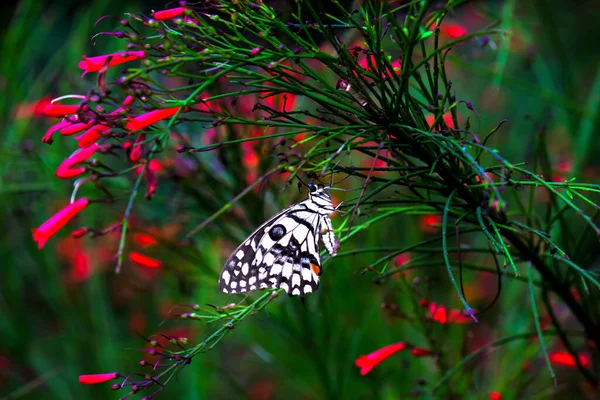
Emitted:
<point x="282" y="253"/>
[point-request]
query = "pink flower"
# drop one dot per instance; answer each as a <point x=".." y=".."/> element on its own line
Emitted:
<point x="94" y="64"/>
<point x="66" y="169"/>
<point x="370" y="361"/>
<point x="60" y="110"/>
<point x="494" y="396"/>
<point x="98" y="378"/>
<point x="168" y="14"/>
<point x="144" y="120"/>
<point x="57" y="221"/>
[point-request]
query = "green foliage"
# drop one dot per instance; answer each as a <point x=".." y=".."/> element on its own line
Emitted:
<point x="426" y="165"/>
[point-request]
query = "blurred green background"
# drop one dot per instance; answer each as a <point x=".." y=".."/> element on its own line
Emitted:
<point x="63" y="312"/>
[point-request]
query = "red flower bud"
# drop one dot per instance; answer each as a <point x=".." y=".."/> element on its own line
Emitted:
<point x="57" y="221"/>
<point x="94" y="64"/>
<point x="97" y="378"/>
<point x="144" y="261"/>
<point x="127" y="102"/>
<point x="419" y="352"/>
<point x="168" y="14"/>
<point x="77" y="233"/>
<point x="144" y="239"/>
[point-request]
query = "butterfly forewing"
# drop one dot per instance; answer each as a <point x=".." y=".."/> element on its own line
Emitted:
<point x="282" y="253"/>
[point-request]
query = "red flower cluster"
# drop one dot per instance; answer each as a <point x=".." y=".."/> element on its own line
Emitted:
<point x="95" y="123"/>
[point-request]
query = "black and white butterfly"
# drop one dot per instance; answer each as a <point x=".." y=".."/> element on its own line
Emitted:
<point x="284" y="251"/>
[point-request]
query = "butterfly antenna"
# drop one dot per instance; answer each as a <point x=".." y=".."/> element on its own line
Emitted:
<point x="300" y="179"/>
<point x="342" y="180"/>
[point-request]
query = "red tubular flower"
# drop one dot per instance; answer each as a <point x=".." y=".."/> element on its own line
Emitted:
<point x="495" y="396"/>
<point x="75" y="128"/>
<point x="48" y="136"/>
<point x="94" y="64"/>
<point x="144" y="261"/>
<point x="60" y="110"/>
<point x="91" y="136"/>
<point x="57" y="221"/>
<point x="142" y="121"/>
<point x="66" y="169"/>
<point x="419" y="352"/>
<point x="565" y="359"/>
<point x="168" y="14"/>
<point x="370" y="361"/>
<point x="98" y="378"/>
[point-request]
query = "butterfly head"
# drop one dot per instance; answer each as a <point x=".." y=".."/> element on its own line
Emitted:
<point x="319" y="195"/>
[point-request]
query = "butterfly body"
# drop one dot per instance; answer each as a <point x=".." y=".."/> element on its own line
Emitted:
<point x="284" y="251"/>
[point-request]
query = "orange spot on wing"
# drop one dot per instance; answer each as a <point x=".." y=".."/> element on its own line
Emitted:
<point x="315" y="268"/>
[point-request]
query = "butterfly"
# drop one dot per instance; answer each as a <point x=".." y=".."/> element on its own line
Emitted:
<point x="284" y="251"/>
